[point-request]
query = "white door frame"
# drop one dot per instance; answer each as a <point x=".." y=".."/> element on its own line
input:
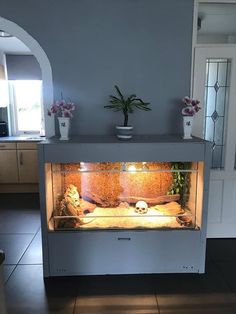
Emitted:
<point x="222" y="198"/>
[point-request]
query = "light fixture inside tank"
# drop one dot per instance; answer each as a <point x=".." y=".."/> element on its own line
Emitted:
<point x="132" y="168"/>
<point x="82" y="166"/>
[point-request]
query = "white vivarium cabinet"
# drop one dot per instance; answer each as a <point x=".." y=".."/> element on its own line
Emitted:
<point x="91" y="224"/>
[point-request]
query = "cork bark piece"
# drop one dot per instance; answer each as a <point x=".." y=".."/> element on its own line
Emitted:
<point x="172" y="208"/>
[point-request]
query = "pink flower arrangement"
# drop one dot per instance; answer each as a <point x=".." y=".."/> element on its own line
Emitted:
<point x="191" y="106"/>
<point x="61" y="108"/>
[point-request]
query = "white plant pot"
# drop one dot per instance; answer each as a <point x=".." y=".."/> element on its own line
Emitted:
<point x="64" y="126"/>
<point x="124" y="132"/>
<point x="187" y="126"/>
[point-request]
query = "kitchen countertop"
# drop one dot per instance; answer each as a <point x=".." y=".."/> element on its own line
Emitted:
<point x="22" y="138"/>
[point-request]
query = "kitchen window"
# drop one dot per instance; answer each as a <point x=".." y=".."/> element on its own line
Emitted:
<point x="26" y="106"/>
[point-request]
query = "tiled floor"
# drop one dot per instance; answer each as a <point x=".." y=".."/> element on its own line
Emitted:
<point x="27" y="292"/>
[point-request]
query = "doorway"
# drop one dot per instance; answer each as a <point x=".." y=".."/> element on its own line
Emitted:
<point x="40" y="55"/>
<point x="214" y="80"/>
<point x="215" y="86"/>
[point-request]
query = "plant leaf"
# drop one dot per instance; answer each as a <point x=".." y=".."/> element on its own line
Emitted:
<point x="114" y="97"/>
<point x="119" y="92"/>
<point x="141" y="107"/>
<point x="132" y="97"/>
<point x="115" y="107"/>
<point x="115" y="102"/>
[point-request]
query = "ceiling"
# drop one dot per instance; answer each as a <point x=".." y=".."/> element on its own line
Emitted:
<point x="217" y="19"/>
<point x="12" y="45"/>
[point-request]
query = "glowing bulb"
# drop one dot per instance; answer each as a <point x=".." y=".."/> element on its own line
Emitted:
<point x="82" y="166"/>
<point x="131" y="168"/>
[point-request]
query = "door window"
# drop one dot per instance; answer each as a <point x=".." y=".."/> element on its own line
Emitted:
<point x="216" y="106"/>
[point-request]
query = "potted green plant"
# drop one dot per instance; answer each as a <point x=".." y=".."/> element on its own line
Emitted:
<point x="126" y="105"/>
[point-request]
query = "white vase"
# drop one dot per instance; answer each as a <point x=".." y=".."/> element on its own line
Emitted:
<point x="187" y="126"/>
<point x="64" y="126"/>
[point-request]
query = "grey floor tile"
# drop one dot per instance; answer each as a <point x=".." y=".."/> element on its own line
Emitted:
<point x="14" y="246"/>
<point x="33" y="255"/>
<point x="194" y="294"/>
<point x="221" y="249"/>
<point x="116" y="294"/>
<point x="198" y="304"/>
<point x="28" y="293"/>
<point x="116" y="304"/>
<point x="19" y="201"/>
<point x="116" y="285"/>
<point x="19" y="221"/>
<point x="7" y="271"/>
<point x="228" y="271"/>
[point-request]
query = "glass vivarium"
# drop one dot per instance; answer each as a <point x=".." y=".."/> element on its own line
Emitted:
<point x="124" y="195"/>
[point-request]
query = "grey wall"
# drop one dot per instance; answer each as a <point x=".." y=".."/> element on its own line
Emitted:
<point x="22" y="68"/>
<point x="144" y="46"/>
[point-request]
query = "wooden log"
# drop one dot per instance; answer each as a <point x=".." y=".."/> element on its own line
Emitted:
<point x="172" y="208"/>
<point x="96" y="199"/>
<point x="87" y="206"/>
<point x="151" y="201"/>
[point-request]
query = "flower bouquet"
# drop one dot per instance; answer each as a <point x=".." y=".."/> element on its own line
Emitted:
<point x="61" y="108"/>
<point x="191" y="107"/>
<point x="63" y="111"/>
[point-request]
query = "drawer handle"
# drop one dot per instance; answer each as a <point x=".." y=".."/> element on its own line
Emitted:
<point x="124" y="239"/>
<point x="21" y="159"/>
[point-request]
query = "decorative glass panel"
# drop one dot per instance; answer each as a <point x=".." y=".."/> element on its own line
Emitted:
<point x="212" y="73"/>
<point x="216" y="104"/>
<point x="217" y="156"/>
<point x="221" y="100"/>
<point x="219" y="131"/>
<point x="222" y="73"/>
<point x="209" y="131"/>
<point x="210" y="100"/>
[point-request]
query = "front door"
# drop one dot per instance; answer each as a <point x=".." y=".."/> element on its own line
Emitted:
<point x="214" y="84"/>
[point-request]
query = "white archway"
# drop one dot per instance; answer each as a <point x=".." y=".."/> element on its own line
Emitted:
<point x="15" y="30"/>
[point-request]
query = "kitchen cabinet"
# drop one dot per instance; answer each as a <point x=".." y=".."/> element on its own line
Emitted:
<point x="18" y="167"/>
<point x="8" y="163"/>
<point x="27" y="162"/>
